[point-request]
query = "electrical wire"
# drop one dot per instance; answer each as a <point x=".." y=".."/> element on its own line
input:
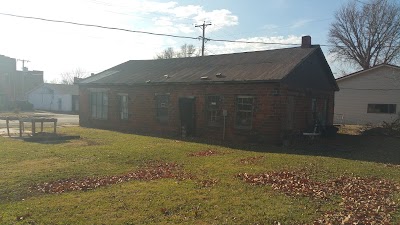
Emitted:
<point x="157" y="34"/>
<point x="98" y="26"/>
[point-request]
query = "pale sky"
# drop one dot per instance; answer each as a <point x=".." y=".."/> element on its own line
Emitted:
<point x="56" y="48"/>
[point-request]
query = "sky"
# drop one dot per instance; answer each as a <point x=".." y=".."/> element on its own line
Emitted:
<point x="57" y="48"/>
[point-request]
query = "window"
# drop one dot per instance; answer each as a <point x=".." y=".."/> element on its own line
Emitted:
<point x="244" y="111"/>
<point x="99" y="105"/>
<point x="382" y="108"/>
<point x="123" y="106"/>
<point x="213" y="110"/>
<point x="162" y="107"/>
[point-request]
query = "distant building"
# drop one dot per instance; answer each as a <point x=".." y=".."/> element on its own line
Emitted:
<point x="369" y="96"/>
<point x="14" y="84"/>
<point x="55" y="97"/>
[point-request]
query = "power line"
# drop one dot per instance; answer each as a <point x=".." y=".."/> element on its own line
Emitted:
<point x="98" y="26"/>
<point x="159" y="34"/>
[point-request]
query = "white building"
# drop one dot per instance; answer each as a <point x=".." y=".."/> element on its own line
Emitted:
<point x="55" y="97"/>
<point x="368" y="96"/>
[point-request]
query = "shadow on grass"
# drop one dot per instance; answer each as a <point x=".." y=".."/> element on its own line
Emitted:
<point x="377" y="148"/>
<point x="371" y="148"/>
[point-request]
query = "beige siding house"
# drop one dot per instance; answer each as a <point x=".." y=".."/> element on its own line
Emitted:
<point x="369" y="96"/>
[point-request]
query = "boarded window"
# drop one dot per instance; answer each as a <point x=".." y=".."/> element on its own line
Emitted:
<point x="162" y="107"/>
<point x="214" y="110"/>
<point x="123" y="106"/>
<point x="382" y="108"/>
<point x="244" y="111"/>
<point x="99" y="105"/>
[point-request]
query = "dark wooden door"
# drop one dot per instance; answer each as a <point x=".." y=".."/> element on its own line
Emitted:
<point x="187" y="115"/>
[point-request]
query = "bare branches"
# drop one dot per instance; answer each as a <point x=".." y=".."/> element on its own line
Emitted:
<point x="185" y="51"/>
<point x="68" y="77"/>
<point x="367" y="35"/>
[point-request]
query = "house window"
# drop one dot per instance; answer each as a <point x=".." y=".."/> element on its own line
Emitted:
<point x="382" y="108"/>
<point x="244" y="111"/>
<point x="213" y="110"/>
<point x="162" y="107"/>
<point x="123" y="106"/>
<point x="99" y="105"/>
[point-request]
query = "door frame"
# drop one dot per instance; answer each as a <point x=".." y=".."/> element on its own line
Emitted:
<point x="187" y="101"/>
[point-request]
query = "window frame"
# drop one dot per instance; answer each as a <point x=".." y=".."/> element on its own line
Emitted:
<point x="103" y="106"/>
<point x="162" y="107"/>
<point x="123" y="112"/>
<point x="391" y="108"/>
<point x="238" y="111"/>
<point x="215" y="110"/>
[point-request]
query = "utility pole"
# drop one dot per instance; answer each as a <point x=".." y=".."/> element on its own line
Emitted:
<point x="203" y="27"/>
<point x="23" y="63"/>
<point x="22" y="81"/>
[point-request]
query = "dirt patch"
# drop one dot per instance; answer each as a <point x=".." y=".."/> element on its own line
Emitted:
<point x="204" y="153"/>
<point x="364" y="200"/>
<point x="352" y="129"/>
<point x="151" y="171"/>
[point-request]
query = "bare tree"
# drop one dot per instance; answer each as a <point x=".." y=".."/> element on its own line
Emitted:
<point x="168" y="53"/>
<point x="185" y="51"/>
<point x="368" y="34"/>
<point x="68" y="77"/>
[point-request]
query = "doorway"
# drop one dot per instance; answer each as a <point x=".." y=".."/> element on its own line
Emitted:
<point x="187" y="115"/>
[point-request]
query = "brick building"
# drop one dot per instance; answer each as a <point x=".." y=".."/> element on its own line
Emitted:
<point x="253" y="96"/>
<point x="14" y="84"/>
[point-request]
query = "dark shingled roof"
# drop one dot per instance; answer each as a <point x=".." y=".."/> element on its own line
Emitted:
<point x="270" y="65"/>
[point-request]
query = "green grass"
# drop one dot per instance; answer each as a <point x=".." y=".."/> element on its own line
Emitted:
<point x="164" y="201"/>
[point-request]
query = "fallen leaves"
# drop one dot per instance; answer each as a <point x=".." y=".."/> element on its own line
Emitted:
<point x="204" y="153"/>
<point x="251" y="160"/>
<point x="151" y="171"/>
<point x="207" y="183"/>
<point x="364" y="200"/>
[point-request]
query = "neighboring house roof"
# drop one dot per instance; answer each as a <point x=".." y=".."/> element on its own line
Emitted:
<point x="367" y="70"/>
<point x="258" y="66"/>
<point x="61" y="89"/>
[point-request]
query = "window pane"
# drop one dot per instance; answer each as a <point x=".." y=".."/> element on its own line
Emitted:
<point x="162" y="107"/>
<point x="99" y="101"/>
<point x="123" y="102"/>
<point x="244" y="111"/>
<point x="381" y="108"/>
<point x="93" y="104"/>
<point x="214" y="110"/>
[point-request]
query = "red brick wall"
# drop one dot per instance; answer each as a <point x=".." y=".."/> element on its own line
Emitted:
<point x="269" y="110"/>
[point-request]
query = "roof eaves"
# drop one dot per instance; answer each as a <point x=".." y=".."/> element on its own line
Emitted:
<point x="363" y="71"/>
<point x="183" y="83"/>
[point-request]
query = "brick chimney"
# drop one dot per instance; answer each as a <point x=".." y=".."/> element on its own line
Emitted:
<point x="306" y="41"/>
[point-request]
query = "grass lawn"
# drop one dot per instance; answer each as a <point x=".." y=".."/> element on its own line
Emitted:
<point x="211" y="193"/>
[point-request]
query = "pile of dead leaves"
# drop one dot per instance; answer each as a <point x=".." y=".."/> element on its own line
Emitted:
<point x="364" y="200"/>
<point x="207" y="183"/>
<point x="251" y="160"/>
<point x="151" y="171"/>
<point x="204" y="153"/>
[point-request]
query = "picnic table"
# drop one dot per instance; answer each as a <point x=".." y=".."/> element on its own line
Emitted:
<point x="35" y="120"/>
